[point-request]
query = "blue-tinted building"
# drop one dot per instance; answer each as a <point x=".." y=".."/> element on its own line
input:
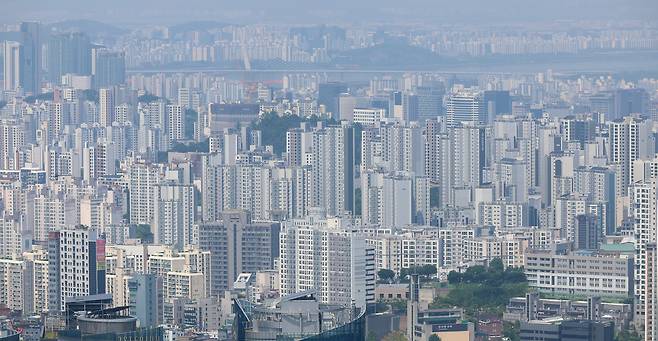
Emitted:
<point x="143" y="298"/>
<point x="9" y="335"/>
<point x="328" y="94"/>
<point x="297" y="317"/>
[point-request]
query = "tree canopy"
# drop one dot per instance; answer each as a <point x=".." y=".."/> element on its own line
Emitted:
<point x="198" y="147"/>
<point x="148" y="98"/>
<point x="274" y="128"/>
<point x="47" y="96"/>
<point x="90" y="95"/>
<point x="143" y="232"/>
<point x="495" y="274"/>
<point x="511" y="330"/>
<point x="386" y="275"/>
<point x="423" y="271"/>
<point x="628" y="335"/>
<point x="482" y="288"/>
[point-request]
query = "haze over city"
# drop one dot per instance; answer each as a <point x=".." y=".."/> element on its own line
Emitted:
<point x="294" y="12"/>
<point x="340" y="170"/>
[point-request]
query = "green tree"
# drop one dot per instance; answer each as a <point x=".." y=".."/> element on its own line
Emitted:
<point x="474" y="274"/>
<point x="274" y="127"/>
<point x="90" y="95"/>
<point x="398" y="305"/>
<point x="395" y="336"/>
<point x="199" y="147"/>
<point x="628" y="335"/>
<point x="386" y="275"/>
<point x="495" y="272"/>
<point x="46" y="96"/>
<point x="511" y="330"/>
<point x="454" y="277"/>
<point x="404" y="275"/>
<point x="434" y="337"/>
<point x="496" y="265"/>
<point x="482" y="288"/>
<point x="426" y="270"/>
<point x="148" y="98"/>
<point x="143" y="232"/>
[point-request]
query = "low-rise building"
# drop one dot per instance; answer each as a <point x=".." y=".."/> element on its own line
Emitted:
<point x="391" y="292"/>
<point x="531" y="307"/>
<point x="299" y="316"/>
<point x="423" y="322"/>
<point x="567" y="330"/>
<point x="579" y="273"/>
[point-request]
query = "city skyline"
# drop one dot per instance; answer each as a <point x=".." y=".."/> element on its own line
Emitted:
<point x="419" y="171"/>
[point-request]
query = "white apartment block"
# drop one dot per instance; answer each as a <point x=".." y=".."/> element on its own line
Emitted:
<point x="628" y="141"/>
<point x="394" y="200"/>
<point x="484" y="249"/>
<point x="580" y="274"/>
<point x="465" y="106"/>
<point x="448" y="249"/>
<point x="325" y="255"/>
<point x="12" y="291"/>
<point x="191" y="262"/>
<point x="76" y="265"/>
<point x="36" y="281"/>
<point x="651" y="294"/>
<point x="173" y="218"/>
<point x="175" y="128"/>
<point x="451" y="239"/>
<point x="368" y="116"/>
<point x="142" y="184"/>
<point x="569" y="207"/>
<point x="502" y="215"/>
<point x="106" y="107"/>
<point x="49" y="215"/>
<point x="10" y="237"/>
<point x="645" y="213"/>
<point x="190" y="285"/>
<point x="133" y="257"/>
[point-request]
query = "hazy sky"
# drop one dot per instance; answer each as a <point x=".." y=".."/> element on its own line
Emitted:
<point x="136" y="12"/>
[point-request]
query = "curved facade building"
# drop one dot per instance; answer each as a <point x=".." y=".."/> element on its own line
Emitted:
<point x="355" y="330"/>
<point x="297" y="317"/>
<point x="9" y="335"/>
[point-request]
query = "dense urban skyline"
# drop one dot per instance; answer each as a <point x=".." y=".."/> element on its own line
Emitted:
<point x="292" y="170"/>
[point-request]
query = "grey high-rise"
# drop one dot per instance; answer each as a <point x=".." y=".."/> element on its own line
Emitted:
<point x="328" y="96"/>
<point x="31" y="58"/>
<point x="497" y="102"/>
<point x="68" y="53"/>
<point x="13" y="53"/>
<point x="238" y="245"/>
<point x="631" y="101"/>
<point x="108" y="67"/>
<point x="466" y="106"/>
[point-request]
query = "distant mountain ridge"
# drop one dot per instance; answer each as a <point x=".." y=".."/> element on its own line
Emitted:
<point x="204" y="25"/>
<point x="90" y="27"/>
<point x="387" y="54"/>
